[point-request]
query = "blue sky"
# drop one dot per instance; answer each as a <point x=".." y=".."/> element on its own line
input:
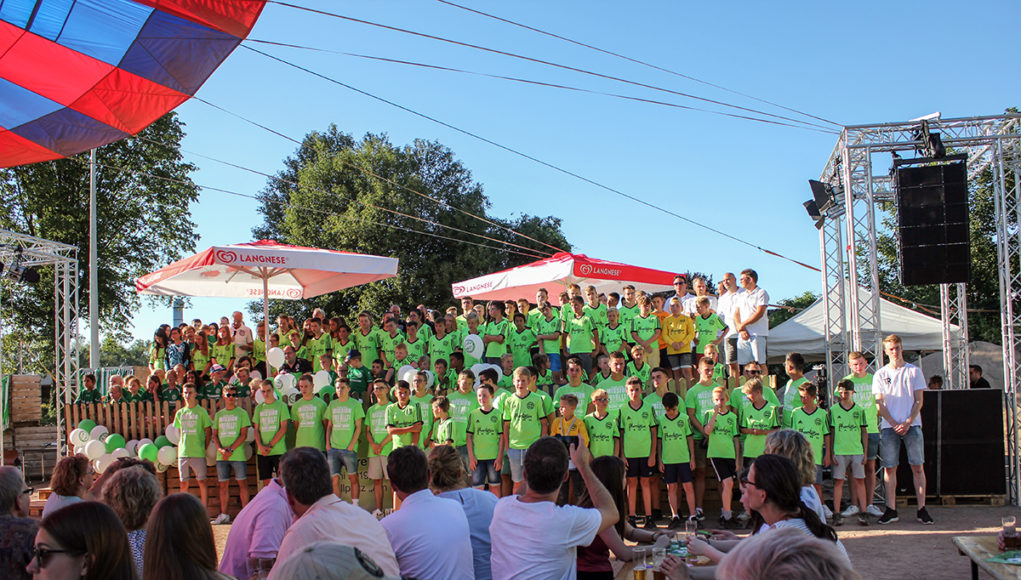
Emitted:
<point x="855" y="63"/>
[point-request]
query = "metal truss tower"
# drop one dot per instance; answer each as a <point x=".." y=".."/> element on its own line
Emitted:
<point x="849" y="253"/>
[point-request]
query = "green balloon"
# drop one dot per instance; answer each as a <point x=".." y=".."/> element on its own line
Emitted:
<point x="162" y="442"/>
<point x="149" y="451"/>
<point x="115" y="441"/>
<point x="87" y="425"/>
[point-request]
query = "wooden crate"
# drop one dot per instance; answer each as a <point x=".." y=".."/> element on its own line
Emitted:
<point x="26" y="399"/>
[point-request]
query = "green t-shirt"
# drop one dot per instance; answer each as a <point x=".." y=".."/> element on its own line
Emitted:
<point x="222" y="353"/>
<point x="267" y="418"/>
<point x="674" y="433"/>
<point x="655" y="400"/>
<point x="199" y="360"/>
<point x="521" y="344"/>
<point x="243" y="390"/>
<point x="547" y="403"/>
<point x="165" y="393"/>
<point x="791" y="398"/>
<point x="644" y="373"/>
<point x="532" y="319"/>
<point x="506" y="381"/>
<point x="699" y="398"/>
<point x="616" y="391"/>
<point x="343" y="417"/>
<point x="157" y="357"/>
<point x="408" y="416"/>
<point x="721" y="440"/>
<point x="636" y="429"/>
<point x="377" y="426"/>
<point x="443" y="432"/>
<point x="227" y="425"/>
<point x="308" y="423"/>
<point x="739" y="401"/>
<point x="316" y="347"/>
<point x="388" y="345"/>
<point x="544" y="326"/>
<point x="440" y="348"/>
<point x="752" y="418"/>
<point x="645" y="326"/>
<point x="582" y="391"/>
<point x="579" y="331"/>
<point x="192" y="423"/>
<point x="544" y="379"/>
<point x="864" y="398"/>
<point x="142" y="396"/>
<point x="425" y="410"/>
<point x="601" y="433"/>
<point x="493" y="328"/>
<point x="613" y="338"/>
<point x="598" y="316"/>
<point x="91" y="396"/>
<point x="258" y="350"/>
<point x="212" y="391"/>
<point x="846" y="425"/>
<point x="359" y="378"/>
<point x="417" y="348"/>
<point x="707" y="328"/>
<point x="626" y="314"/>
<point x="525" y="419"/>
<point x="367" y="344"/>
<point x="814" y="426"/>
<point x="486" y="428"/>
<point x="461" y="406"/>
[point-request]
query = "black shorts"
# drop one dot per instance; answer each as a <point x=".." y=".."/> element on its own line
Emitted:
<point x="724" y="467"/>
<point x="677" y="473"/>
<point x="266" y="465"/>
<point x="639" y="467"/>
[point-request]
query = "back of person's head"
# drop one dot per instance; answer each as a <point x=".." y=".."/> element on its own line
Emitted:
<point x="794" y="446"/>
<point x="92" y="529"/>
<point x="10" y="489"/>
<point x="609" y="470"/>
<point x="785" y="553"/>
<point x="132" y="493"/>
<point x="408" y="469"/>
<point x="328" y="561"/>
<point x="546" y="465"/>
<point x="179" y="540"/>
<point x="305" y="474"/>
<point x="68" y="474"/>
<point x="446" y="471"/>
<point x="778" y="477"/>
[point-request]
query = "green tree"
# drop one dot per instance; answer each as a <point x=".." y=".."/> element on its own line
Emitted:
<point x="117" y="354"/>
<point x="328" y="195"/>
<point x="144" y="196"/>
<point x="791" y="307"/>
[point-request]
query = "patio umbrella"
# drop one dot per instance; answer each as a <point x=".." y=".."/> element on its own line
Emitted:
<point x="265" y="269"/>
<point x="557" y="272"/>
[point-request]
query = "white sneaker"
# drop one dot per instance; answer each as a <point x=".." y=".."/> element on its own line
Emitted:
<point x="872" y="510"/>
<point x="221" y="519"/>
<point x="744" y="516"/>
<point x="826" y="512"/>
<point x="377" y="513"/>
<point x="850" y="511"/>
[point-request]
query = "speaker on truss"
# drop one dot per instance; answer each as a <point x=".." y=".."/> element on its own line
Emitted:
<point x="932" y="222"/>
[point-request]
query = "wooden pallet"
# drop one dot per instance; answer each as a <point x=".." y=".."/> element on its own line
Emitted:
<point x="976" y="499"/>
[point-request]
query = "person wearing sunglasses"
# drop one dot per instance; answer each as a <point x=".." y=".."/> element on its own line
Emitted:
<point x="230" y="431"/>
<point x="83" y="541"/>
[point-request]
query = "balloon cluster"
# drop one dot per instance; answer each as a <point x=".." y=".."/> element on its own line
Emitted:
<point x="103" y="448"/>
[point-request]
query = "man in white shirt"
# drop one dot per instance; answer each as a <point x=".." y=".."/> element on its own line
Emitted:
<point x="898" y="388"/>
<point x="324" y="516"/>
<point x="750" y="320"/>
<point x="532" y="536"/>
<point x="243" y="339"/>
<point x="726" y="304"/>
<point x="429" y="534"/>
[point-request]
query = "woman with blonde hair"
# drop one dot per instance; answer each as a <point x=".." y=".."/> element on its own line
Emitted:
<point x="794" y="446"/>
<point x="132" y="493"/>
<point x="447" y="479"/>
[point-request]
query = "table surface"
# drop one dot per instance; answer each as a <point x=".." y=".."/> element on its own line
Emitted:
<point x="980" y="548"/>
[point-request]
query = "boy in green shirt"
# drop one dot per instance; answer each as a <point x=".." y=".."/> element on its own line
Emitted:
<point x="524" y="422"/>
<point x="602" y="370"/>
<point x="637" y="432"/>
<point x="89" y="393"/>
<point x="417" y="346"/>
<point x="759" y="418"/>
<point x="462" y="402"/>
<point x="813" y="423"/>
<point x="595" y="309"/>
<point x="850" y="439"/>
<point x="318" y="345"/>
<point x="423" y="398"/>
<point x="616" y="385"/>
<point x="308" y="416"/>
<point x="441" y="344"/>
<point x="270" y="419"/>
<point x="196" y="428"/>
<point x="698" y="401"/>
<point x="583" y="338"/>
<point x="404" y="418"/>
<point x="601" y="424"/>
<point x="495" y="333"/>
<point x="721" y="428"/>
<point x="547" y="332"/>
<point x="380" y="442"/>
<point x="357" y="375"/>
<point x="676" y="457"/>
<point x="366" y="341"/>
<point x="521" y="340"/>
<point x="506" y="378"/>
<point x="388" y="341"/>
<point x="344" y="417"/>
<point x="485" y="441"/>
<point x="576" y="386"/>
<point x="230" y="431"/>
<point x="613" y="334"/>
<point x="794" y="364"/>
<point x="638" y="367"/>
<point x="709" y="328"/>
<point x="863" y="397"/>
<point x="443" y="425"/>
<point x="646" y="328"/>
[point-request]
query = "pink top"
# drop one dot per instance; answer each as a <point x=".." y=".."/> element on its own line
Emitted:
<point x="258" y="530"/>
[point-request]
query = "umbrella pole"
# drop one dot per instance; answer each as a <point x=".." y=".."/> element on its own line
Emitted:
<point x="265" y="317"/>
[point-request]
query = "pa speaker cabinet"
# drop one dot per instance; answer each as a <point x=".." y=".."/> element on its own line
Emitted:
<point x="933" y="240"/>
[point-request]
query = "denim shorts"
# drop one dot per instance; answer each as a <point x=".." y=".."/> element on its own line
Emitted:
<point x="516" y="459"/>
<point x="554" y="361"/>
<point x="195" y="465"/>
<point x="485" y="472"/>
<point x="223" y="469"/>
<point x="343" y="459"/>
<point x="889" y="449"/>
<point x="873" y="451"/>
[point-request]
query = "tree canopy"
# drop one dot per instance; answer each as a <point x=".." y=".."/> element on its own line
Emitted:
<point x="369" y="196"/>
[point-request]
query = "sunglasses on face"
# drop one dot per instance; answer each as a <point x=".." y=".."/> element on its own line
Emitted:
<point x="230" y="395"/>
<point x="43" y="555"/>
<point x="755" y="372"/>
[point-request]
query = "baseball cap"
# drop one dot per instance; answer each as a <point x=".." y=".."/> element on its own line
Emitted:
<point x="353" y="353"/>
<point x="327" y="561"/>
<point x="217" y="368"/>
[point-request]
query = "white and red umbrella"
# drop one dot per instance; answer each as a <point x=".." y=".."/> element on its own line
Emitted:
<point x="265" y="269"/>
<point x="557" y="272"/>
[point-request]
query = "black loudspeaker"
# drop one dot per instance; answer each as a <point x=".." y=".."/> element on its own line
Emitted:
<point x="964" y="451"/>
<point x="932" y="224"/>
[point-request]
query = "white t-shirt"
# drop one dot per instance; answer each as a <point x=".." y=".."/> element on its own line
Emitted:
<point x="898" y="388"/>
<point x="746" y="306"/>
<point x="539" y="540"/>
<point x="726" y="305"/>
<point x="243" y="337"/>
<point x="431" y="538"/>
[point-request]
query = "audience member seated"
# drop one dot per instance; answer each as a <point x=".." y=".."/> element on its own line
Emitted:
<point x="17" y="530"/>
<point x="257" y="532"/>
<point x="84" y="541"/>
<point x="329" y="561"/>
<point x="788" y="554"/>
<point x="70" y="483"/>
<point x="132" y="493"/>
<point x="179" y="541"/>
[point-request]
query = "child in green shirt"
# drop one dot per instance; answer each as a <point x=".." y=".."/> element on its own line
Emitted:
<point x="344" y="417"/>
<point x="307" y="414"/>
<point x="850" y="440"/>
<point x="230" y="430"/>
<point x="637" y="432"/>
<point x="676" y="457"/>
<point x="380" y="441"/>
<point x="721" y="428"/>
<point x="270" y="419"/>
<point x="813" y="423"/>
<point x="486" y="443"/>
<point x="443" y="425"/>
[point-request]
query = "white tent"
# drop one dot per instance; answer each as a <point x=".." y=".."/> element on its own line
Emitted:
<point x="805" y="333"/>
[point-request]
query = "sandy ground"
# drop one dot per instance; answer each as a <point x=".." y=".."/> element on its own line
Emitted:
<point x="902" y="550"/>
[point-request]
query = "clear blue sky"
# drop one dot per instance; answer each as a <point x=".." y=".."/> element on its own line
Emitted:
<point x="862" y="63"/>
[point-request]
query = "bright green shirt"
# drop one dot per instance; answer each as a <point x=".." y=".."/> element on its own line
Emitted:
<point x="192" y="423"/>
<point x="521" y="344"/>
<point x="157" y="357"/>
<point x="407" y="416"/>
<point x="674" y="433"/>
<point x="443" y="432"/>
<point x="227" y="425"/>
<point x="547" y="403"/>
<point x="864" y="398"/>
<point x="486" y="428"/>
<point x="580" y="333"/>
<point x="440" y="348"/>
<point x="598" y="316"/>
<point x="493" y="328"/>
<point x="739" y="401"/>
<point x="766" y="417"/>
<point x="377" y="426"/>
<point x="525" y="419"/>
<point x="706" y="329"/>
<point x="367" y="344"/>
<point x="267" y="418"/>
<point x="343" y="417"/>
<point x="644" y="373"/>
<point x="721" y="440"/>
<point x="645" y="326"/>
<point x="814" y="426"/>
<point x="699" y="398"/>
<point x="544" y="326"/>
<point x="308" y="423"/>
<point x="222" y="353"/>
<point x="655" y="400"/>
<point x="626" y="314"/>
<point x="613" y="338"/>
<point x="200" y="360"/>
<point x="416" y="349"/>
<point x="425" y="410"/>
<point x="388" y="345"/>
<point x="846" y="425"/>
<point x="601" y="433"/>
<point x="461" y="406"/>
<point x="616" y="391"/>
<point x="317" y="347"/>
<point x="636" y="429"/>
<point x="506" y="381"/>
<point x="791" y="398"/>
<point x="258" y="350"/>
<point x="582" y="391"/>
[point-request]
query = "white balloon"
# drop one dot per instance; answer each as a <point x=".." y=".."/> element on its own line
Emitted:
<point x="292" y="397"/>
<point x="407" y="373"/>
<point x="132" y="447"/>
<point x="248" y="451"/>
<point x="285" y="381"/>
<point x="251" y="434"/>
<point x="320" y="379"/>
<point x="160" y="468"/>
<point x="255" y="374"/>
<point x="430" y="379"/>
<point x="97" y="432"/>
<point x="173" y="434"/>
<point x="275" y="357"/>
<point x="167" y="455"/>
<point x="75" y="436"/>
<point x="104" y="462"/>
<point x="95" y="449"/>
<point x="473" y="345"/>
<point x="121" y="452"/>
<point x="78" y="450"/>
<point x="142" y="442"/>
<point x="258" y="397"/>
